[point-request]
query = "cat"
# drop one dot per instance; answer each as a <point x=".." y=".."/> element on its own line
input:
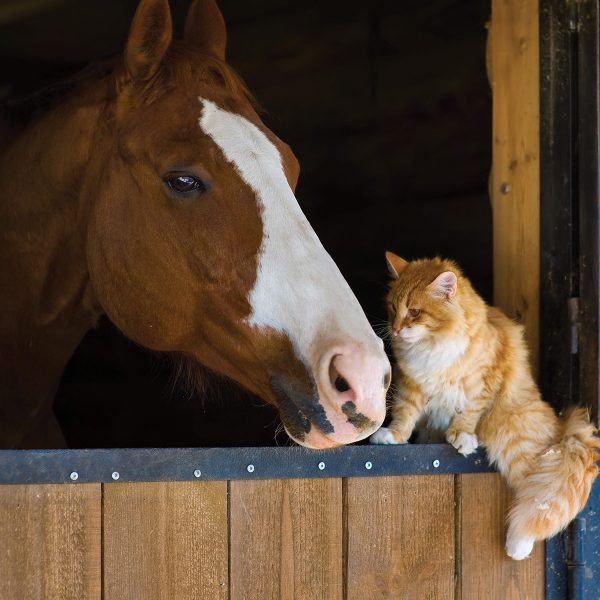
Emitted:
<point x="463" y="367"/>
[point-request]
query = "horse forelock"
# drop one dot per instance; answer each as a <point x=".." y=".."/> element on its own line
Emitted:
<point x="185" y="71"/>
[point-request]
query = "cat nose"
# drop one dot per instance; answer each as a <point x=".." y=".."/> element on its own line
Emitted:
<point x="396" y="330"/>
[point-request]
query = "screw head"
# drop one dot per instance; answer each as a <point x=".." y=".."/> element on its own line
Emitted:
<point x="368" y="465"/>
<point x="436" y="463"/>
<point x="504" y="187"/>
<point x="250" y="468"/>
<point x="197" y="473"/>
<point x="115" y="475"/>
<point x="321" y="465"/>
<point x="74" y="476"/>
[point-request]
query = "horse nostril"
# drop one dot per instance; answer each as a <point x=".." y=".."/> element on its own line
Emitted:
<point x="341" y="385"/>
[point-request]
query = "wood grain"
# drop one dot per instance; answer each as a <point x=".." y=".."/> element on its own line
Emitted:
<point x="165" y="540"/>
<point x="50" y="542"/>
<point x="514" y="64"/>
<point x="401" y="538"/>
<point x="286" y="539"/>
<point x="486" y="570"/>
<point x="513" y="69"/>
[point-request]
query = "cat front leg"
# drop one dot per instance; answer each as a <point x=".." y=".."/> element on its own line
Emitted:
<point x="408" y="406"/>
<point x="461" y="432"/>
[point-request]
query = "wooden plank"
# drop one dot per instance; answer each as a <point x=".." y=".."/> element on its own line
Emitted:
<point x="513" y="69"/>
<point x="165" y="540"/>
<point x="401" y="537"/>
<point x="50" y="542"/>
<point x="486" y="570"/>
<point x="514" y="63"/>
<point x="286" y="539"/>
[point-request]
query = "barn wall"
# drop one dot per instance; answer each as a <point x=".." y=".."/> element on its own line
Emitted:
<point x="419" y="537"/>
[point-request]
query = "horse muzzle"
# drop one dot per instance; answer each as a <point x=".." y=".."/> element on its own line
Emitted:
<point x="346" y="402"/>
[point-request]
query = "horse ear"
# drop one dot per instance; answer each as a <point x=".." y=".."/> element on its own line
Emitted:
<point x="205" y="28"/>
<point x="149" y="38"/>
<point x="395" y="264"/>
<point x="444" y="285"/>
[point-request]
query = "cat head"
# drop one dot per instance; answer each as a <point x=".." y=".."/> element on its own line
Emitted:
<point x="424" y="299"/>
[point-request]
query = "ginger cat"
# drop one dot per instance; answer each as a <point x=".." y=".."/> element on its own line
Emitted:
<point x="463" y="367"/>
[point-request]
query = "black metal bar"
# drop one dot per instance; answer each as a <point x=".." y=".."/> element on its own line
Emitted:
<point x="188" y="464"/>
<point x="589" y="199"/>
<point x="576" y="561"/>
<point x="570" y="221"/>
<point x="583" y="551"/>
<point x="556" y="568"/>
<point x="558" y="264"/>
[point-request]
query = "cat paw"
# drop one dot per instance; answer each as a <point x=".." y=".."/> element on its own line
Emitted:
<point x="519" y="548"/>
<point x="465" y="443"/>
<point x="386" y="436"/>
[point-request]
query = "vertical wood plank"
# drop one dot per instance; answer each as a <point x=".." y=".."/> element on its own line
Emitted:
<point x="486" y="571"/>
<point x="401" y="538"/>
<point x="286" y="539"/>
<point x="165" y="540"/>
<point x="513" y="69"/>
<point x="514" y="64"/>
<point x="50" y="542"/>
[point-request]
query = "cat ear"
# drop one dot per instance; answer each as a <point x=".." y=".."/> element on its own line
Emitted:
<point x="149" y="38"/>
<point x="444" y="285"/>
<point x="395" y="264"/>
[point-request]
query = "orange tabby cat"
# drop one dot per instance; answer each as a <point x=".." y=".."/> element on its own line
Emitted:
<point x="463" y="367"/>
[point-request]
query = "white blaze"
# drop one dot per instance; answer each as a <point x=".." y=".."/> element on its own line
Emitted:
<point x="299" y="289"/>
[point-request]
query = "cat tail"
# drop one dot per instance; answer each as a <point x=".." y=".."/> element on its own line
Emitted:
<point x="556" y="488"/>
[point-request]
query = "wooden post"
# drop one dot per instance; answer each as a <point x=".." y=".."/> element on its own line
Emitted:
<point x="515" y="181"/>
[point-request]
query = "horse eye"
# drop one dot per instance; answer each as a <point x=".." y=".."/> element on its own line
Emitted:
<point x="414" y="312"/>
<point x="185" y="185"/>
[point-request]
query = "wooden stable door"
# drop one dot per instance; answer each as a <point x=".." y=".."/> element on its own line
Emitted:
<point x="425" y="537"/>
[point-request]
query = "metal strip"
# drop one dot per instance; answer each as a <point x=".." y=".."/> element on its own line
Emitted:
<point x="556" y="568"/>
<point x="573" y="556"/>
<point x="558" y="230"/>
<point x="188" y="464"/>
<point x="584" y="563"/>
<point x="588" y="32"/>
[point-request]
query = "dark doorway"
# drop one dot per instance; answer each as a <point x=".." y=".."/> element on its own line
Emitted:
<point x="388" y="108"/>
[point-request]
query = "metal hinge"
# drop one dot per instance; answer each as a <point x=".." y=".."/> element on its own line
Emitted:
<point x="573" y="310"/>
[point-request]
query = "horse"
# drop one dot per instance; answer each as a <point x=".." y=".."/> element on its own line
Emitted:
<point x="148" y="189"/>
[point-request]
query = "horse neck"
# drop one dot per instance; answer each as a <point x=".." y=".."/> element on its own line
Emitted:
<point x="49" y="305"/>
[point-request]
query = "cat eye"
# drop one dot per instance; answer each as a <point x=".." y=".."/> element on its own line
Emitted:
<point x="414" y="312"/>
<point x="185" y="184"/>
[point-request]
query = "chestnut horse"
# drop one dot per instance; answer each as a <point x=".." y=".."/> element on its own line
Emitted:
<point x="152" y="192"/>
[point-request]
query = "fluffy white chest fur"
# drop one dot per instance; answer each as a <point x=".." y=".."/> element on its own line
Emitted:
<point x="423" y="363"/>
<point x="444" y="402"/>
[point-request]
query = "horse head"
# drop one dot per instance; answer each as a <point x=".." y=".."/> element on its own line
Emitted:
<point x="196" y="243"/>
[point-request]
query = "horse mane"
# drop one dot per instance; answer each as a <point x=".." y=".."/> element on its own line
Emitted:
<point x="21" y="111"/>
<point x="182" y="65"/>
